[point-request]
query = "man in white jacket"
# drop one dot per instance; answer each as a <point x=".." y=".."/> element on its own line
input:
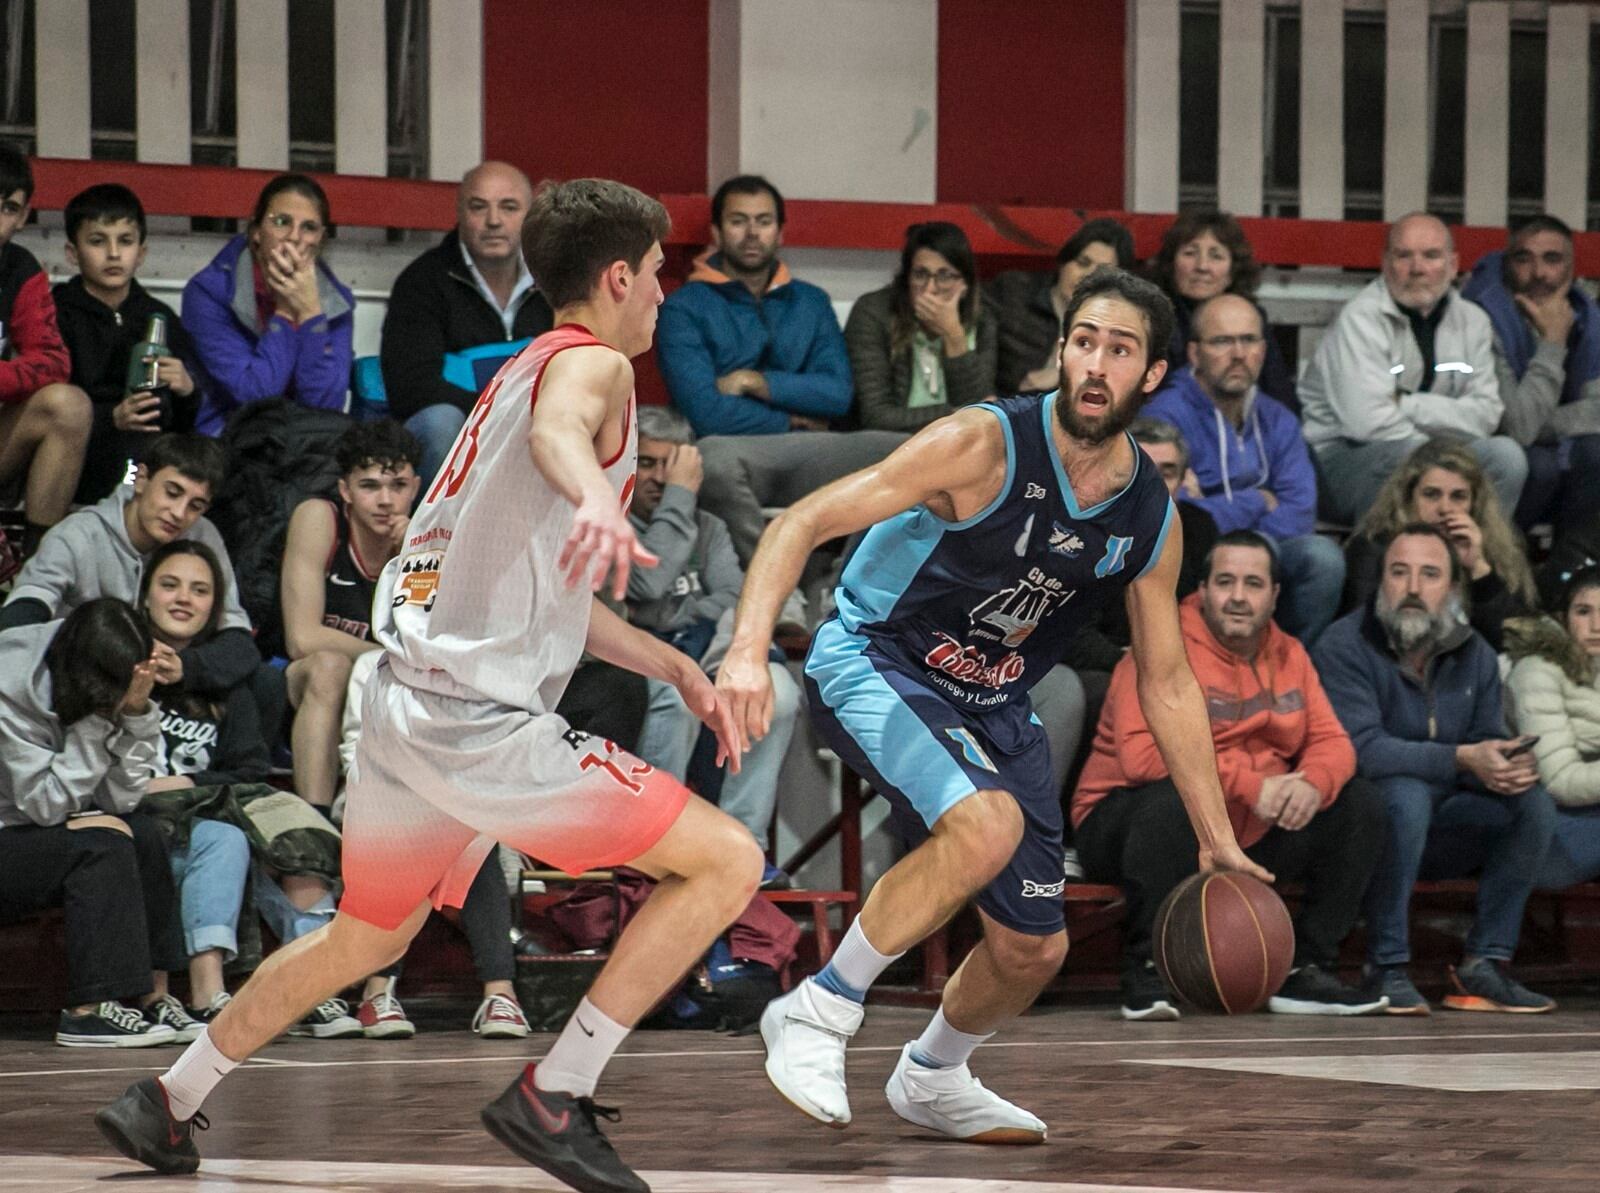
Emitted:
<point x="1407" y="359"/>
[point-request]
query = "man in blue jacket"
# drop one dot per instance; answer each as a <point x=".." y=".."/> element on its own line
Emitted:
<point x="1419" y="693"/>
<point x="1547" y="355"/>
<point x="1251" y="460"/>
<point x="756" y="361"/>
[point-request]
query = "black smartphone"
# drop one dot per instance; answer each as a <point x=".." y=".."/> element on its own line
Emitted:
<point x="1523" y="746"/>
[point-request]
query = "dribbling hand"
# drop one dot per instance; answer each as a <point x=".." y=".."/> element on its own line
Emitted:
<point x="1231" y="857"/>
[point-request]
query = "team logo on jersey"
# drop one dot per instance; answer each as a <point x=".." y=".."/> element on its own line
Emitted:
<point x="1034" y="492"/>
<point x="1115" y="558"/>
<point x="1064" y="542"/>
<point x="1017" y="611"/>
<point x="419" y="580"/>
<point x="970" y="749"/>
<point x="1042" y="890"/>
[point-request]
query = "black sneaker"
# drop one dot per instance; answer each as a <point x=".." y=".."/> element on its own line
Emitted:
<point x="557" y="1132"/>
<point x="140" y="1126"/>
<point x="1145" y="997"/>
<point x="111" y="1025"/>
<point x="1312" y="990"/>
<point x="1485" y="985"/>
<point x="330" y="1019"/>
<point x="185" y="1027"/>
<point x="1394" y="983"/>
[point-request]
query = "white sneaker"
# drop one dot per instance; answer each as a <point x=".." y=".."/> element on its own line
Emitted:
<point x="954" y="1102"/>
<point x="805" y="1032"/>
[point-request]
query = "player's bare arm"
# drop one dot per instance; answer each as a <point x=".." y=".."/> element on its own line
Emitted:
<point x="614" y="640"/>
<point x="576" y="421"/>
<point x="301" y="590"/>
<point x="1171" y="700"/>
<point x="954" y="466"/>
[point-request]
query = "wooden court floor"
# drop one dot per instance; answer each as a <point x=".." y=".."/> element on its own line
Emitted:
<point x="1452" y="1104"/>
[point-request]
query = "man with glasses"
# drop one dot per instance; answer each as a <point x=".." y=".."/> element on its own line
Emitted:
<point x="1405" y="360"/>
<point x="1547" y="351"/>
<point x="1250" y="460"/>
<point x="755" y="359"/>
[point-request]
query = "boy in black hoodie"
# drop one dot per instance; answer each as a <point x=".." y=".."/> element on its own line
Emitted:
<point x="104" y="313"/>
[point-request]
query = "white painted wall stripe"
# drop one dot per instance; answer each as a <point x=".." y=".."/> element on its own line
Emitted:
<point x="1322" y="109"/>
<point x="1488" y="111"/>
<point x="1152" y="183"/>
<point x="455" y="88"/>
<point x="61" y="78"/>
<point x="162" y="120"/>
<point x="1568" y="109"/>
<point x="1405" y="108"/>
<point x="360" y="81"/>
<point x="1241" y="97"/>
<point x="261" y="33"/>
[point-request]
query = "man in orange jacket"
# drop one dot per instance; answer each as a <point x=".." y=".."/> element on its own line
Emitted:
<point x="1287" y="770"/>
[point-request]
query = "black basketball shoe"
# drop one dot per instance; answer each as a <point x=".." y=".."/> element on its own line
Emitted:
<point x="558" y="1133"/>
<point x="140" y="1126"/>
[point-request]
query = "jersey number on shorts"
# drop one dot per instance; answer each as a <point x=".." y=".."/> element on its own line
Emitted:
<point x="630" y="780"/>
<point x="465" y="452"/>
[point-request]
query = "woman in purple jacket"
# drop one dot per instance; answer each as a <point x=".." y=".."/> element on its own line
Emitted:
<point x="268" y="317"/>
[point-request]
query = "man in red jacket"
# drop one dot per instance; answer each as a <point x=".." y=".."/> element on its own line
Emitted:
<point x="44" y="422"/>
<point x="1288" y="773"/>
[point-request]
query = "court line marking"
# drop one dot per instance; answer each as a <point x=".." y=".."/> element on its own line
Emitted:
<point x="508" y="1058"/>
<point x="319" y="1175"/>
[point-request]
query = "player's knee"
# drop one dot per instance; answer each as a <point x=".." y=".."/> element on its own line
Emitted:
<point x="66" y="410"/>
<point x="329" y="675"/>
<point x="1028" y="958"/>
<point x="741" y="862"/>
<point x="985" y="829"/>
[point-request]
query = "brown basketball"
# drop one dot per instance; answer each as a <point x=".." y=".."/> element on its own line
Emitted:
<point x="1223" y="942"/>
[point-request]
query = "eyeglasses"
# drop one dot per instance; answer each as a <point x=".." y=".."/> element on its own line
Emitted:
<point x="943" y="277"/>
<point x="1228" y="343"/>
<point x="285" y="223"/>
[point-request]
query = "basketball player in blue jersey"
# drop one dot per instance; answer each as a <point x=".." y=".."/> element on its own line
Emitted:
<point x="995" y="533"/>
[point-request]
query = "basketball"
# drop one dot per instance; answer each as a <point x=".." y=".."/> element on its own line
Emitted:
<point x="1223" y="942"/>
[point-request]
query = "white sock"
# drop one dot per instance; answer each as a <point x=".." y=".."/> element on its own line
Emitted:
<point x="195" y="1075"/>
<point x="941" y="1046"/>
<point x="574" y="1063"/>
<point x="855" y="964"/>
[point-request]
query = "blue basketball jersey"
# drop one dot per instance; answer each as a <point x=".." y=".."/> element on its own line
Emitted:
<point x="984" y="607"/>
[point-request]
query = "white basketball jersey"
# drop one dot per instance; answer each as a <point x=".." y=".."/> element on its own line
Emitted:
<point x="476" y="593"/>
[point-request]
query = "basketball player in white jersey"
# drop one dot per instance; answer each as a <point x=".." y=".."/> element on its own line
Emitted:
<point x="483" y="616"/>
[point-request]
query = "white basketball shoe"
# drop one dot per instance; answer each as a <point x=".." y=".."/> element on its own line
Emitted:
<point x="805" y="1032"/>
<point x="955" y="1103"/>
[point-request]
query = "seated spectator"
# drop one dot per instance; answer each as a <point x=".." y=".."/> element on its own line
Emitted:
<point x="80" y="733"/>
<point x="1287" y="771"/>
<point x="459" y="310"/>
<point x="1419" y="693"/>
<point x="1555" y="701"/>
<point x="1442" y="484"/>
<point x="1405" y="359"/>
<point x="104" y="315"/>
<point x="1204" y="254"/>
<point x="687" y="599"/>
<point x="332" y="557"/>
<point x="924" y="345"/>
<point x="1249" y="458"/>
<point x="1547" y="354"/>
<point x="1028" y="306"/>
<point x="754" y="357"/>
<point x="203" y="743"/>
<point x="267" y="315"/>
<point x="44" y="422"/>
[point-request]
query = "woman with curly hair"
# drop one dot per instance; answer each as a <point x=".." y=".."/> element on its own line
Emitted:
<point x="1204" y="254"/>
<point x="1554" y="689"/>
<point x="1442" y="483"/>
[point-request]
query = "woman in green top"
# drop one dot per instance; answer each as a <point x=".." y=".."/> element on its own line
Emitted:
<point x="925" y="344"/>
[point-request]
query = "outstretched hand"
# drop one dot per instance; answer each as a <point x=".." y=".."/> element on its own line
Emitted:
<point x="707" y="703"/>
<point x="745" y="686"/>
<point x="602" y="543"/>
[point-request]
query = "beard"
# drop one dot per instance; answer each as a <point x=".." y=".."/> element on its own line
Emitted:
<point x="1121" y="410"/>
<point x="1412" y="628"/>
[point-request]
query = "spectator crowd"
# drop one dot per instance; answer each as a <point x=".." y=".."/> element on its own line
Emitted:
<point x="1397" y="688"/>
